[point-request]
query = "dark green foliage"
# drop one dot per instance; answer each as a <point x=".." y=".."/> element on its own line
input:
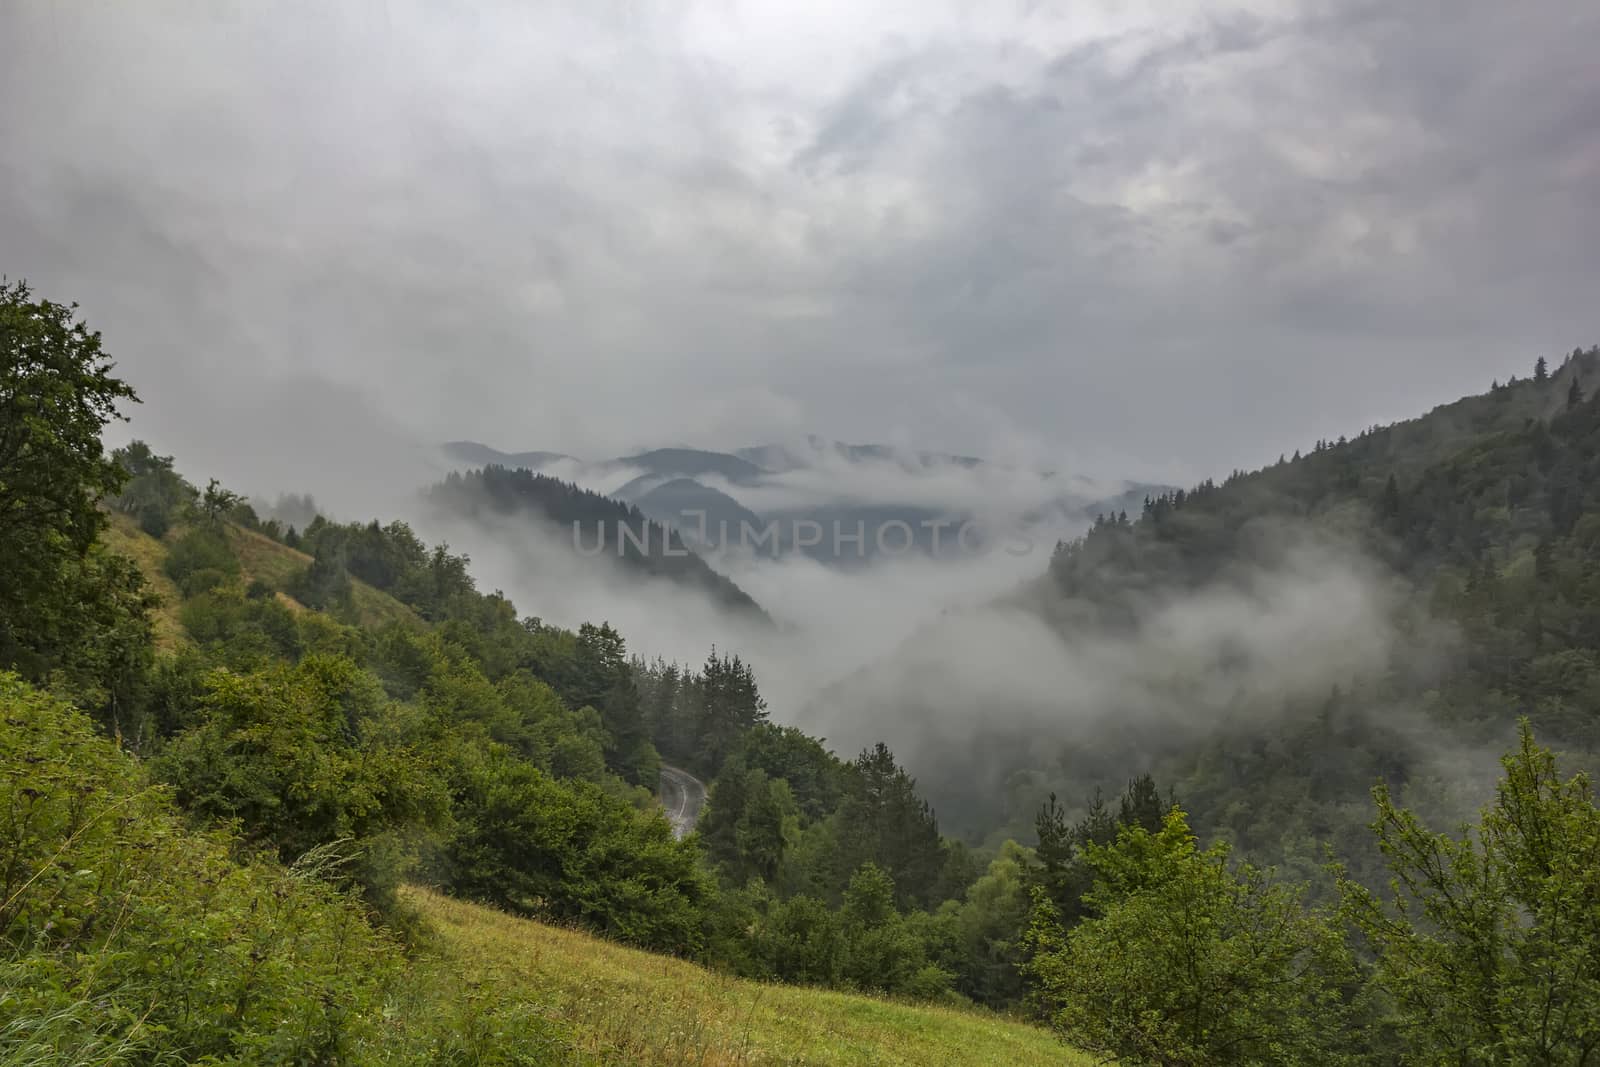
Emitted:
<point x="815" y="775"/>
<point x="883" y="821"/>
<point x="128" y="940"/>
<point x="1062" y="870"/>
<point x="201" y="560"/>
<point x="56" y="394"/>
<point x="701" y="719"/>
<point x="298" y="758"/>
<point x="567" y="851"/>
<point x="985" y="950"/>
<point x="865" y="944"/>
<point x="801" y="941"/>
<point x="325" y="583"/>
<point x="1488" y="947"/>
<point x="1389" y="504"/>
<point x="729" y="705"/>
<point x="1189" y="959"/>
<point x="154" y="493"/>
<point x="748" y="824"/>
<point x="238" y="631"/>
<point x="603" y="680"/>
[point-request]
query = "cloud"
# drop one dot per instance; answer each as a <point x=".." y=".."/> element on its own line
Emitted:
<point x="1099" y="229"/>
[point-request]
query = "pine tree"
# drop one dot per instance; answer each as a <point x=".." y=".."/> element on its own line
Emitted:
<point x="1574" y="393"/>
<point x="1390" y="507"/>
<point x="1541" y="371"/>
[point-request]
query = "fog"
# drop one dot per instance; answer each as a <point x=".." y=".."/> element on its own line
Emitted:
<point x="1094" y="243"/>
<point x="828" y="622"/>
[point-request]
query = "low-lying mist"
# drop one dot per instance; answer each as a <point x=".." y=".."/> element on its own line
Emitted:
<point x="968" y="666"/>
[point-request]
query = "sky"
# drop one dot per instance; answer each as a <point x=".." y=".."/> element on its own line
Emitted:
<point x="1123" y="239"/>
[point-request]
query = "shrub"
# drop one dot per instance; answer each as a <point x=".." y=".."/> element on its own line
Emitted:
<point x="200" y="560"/>
<point x="127" y="939"/>
<point x="1191" y="960"/>
<point x="282" y="752"/>
<point x="569" y="852"/>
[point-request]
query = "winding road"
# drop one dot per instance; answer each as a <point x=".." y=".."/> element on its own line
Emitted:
<point x="682" y="797"/>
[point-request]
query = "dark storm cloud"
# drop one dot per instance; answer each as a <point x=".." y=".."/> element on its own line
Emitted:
<point x="1098" y="233"/>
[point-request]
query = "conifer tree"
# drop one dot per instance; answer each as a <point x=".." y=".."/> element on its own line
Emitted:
<point x="1390" y="507"/>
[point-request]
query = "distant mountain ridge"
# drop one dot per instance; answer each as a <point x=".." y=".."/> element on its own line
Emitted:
<point x="1469" y="536"/>
<point x="650" y="548"/>
<point x="474" y="454"/>
<point x="720" y="495"/>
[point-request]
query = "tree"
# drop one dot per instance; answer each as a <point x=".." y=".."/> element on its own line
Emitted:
<point x="155" y="494"/>
<point x="1541" y="371"/>
<point x="1489" y="944"/>
<point x="1191" y="960"/>
<point x="1389" y="507"/>
<point x="216" y="502"/>
<point x="1061" y="869"/>
<point x="568" y="852"/>
<point x="748" y="824"/>
<point x="989" y="927"/>
<point x="56" y="395"/>
<point x="1574" y="393"/>
<point x="604" y="681"/>
<point x="883" y="821"/>
<point x="731" y="704"/>
<point x="279" y="751"/>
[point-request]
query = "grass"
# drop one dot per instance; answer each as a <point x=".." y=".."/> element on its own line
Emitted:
<point x="123" y="536"/>
<point x="277" y="565"/>
<point x="259" y="557"/>
<point x="630" y="1007"/>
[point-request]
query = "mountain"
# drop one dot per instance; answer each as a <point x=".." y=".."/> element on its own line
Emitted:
<point x="474" y="454"/>
<point x="814" y="451"/>
<point x="678" y="501"/>
<point x="807" y="492"/>
<point x="692" y="463"/>
<point x="1381" y="608"/>
<point x="649" y="548"/>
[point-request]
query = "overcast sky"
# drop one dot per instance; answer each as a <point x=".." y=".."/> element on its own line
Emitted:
<point x="1149" y="238"/>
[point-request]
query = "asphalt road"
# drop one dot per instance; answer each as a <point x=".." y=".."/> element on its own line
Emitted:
<point x="682" y="797"/>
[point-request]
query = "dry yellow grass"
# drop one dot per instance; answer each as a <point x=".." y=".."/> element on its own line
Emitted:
<point x="276" y="564"/>
<point x="629" y="1007"/>
<point x="123" y="536"/>
<point x="259" y="557"/>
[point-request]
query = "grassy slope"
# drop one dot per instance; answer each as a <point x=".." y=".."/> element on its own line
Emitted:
<point x="633" y="1007"/>
<point x="123" y="536"/>
<point x="277" y="564"/>
<point x="259" y="557"/>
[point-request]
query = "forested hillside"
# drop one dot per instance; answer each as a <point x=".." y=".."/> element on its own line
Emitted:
<point x="590" y="525"/>
<point x="229" y="744"/>
<point x="1475" y="526"/>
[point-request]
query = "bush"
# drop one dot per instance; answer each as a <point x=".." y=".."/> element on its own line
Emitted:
<point x="127" y="939"/>
<point x="154" y="521"/>
<point x="1190" y="960"/>
<point x="240" y="632"/>
<point x="200" y="550"/>
<point x="284" y="751"/>
<point x="567" y="851"/>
